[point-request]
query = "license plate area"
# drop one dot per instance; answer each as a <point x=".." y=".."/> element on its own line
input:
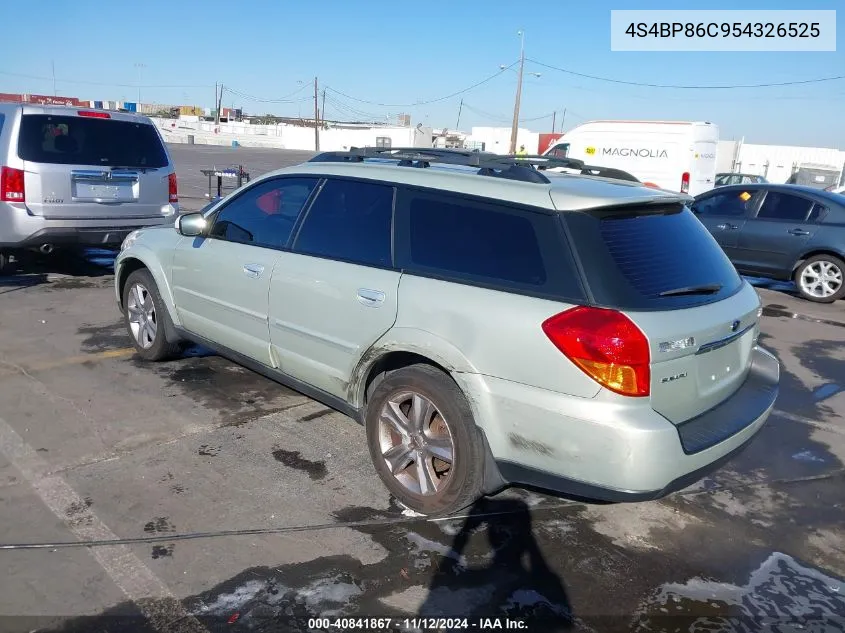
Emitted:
<point x="104" y="186"/>
<point x="725" y="365"/>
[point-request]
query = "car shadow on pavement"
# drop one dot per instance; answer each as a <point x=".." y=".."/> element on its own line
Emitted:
<point x="515" y="584"/>
<point x="61" y="268"/>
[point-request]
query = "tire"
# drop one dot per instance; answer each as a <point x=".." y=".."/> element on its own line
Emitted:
<point x="150" y="343"/>
<point x="831" y="271"/>
<point x="447" y="489"/>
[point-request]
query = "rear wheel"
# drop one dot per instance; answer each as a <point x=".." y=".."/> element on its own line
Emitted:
<point x="820" y="279"/>
<point x="146" y="317"/>
<point x="423" y="440"/>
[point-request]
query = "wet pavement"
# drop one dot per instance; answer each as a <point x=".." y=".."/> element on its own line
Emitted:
<point x="219" y="500"/>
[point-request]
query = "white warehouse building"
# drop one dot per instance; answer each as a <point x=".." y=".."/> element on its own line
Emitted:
<point x="776" y="163"/>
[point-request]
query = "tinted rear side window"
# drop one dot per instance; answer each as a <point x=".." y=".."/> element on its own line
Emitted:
<point x="630" y="259"/>
<point x="69" y="140"/>
<point x="477" y="242"/>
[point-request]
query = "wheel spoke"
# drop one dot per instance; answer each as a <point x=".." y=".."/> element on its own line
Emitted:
<point x="422" y="410"/>
<point x="393" y="415"/>
<point x="439" y="447"/>
<point x="398" y="458"/>
<point x="425" y="474"/>
<point x="134" y="298"/>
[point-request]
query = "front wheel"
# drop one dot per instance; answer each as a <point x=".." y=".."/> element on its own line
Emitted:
<point x="423" y="441"/>
<point x="820" y="279"/>
<point x="146" y="317"/>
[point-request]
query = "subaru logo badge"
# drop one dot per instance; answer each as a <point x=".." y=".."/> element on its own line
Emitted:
<point x="734" y="326"/>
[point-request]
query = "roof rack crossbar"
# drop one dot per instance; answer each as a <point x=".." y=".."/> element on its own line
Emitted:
<point x="512" y="167"/>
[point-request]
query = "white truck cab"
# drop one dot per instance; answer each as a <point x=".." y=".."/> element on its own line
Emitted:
<point x="673" y="155"/>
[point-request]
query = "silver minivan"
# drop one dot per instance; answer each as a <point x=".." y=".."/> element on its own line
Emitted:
<point x="78" y="176"/>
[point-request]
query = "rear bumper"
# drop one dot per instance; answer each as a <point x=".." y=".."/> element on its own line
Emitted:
<point x="607" y="450"/>
<point x="18" y="229"/>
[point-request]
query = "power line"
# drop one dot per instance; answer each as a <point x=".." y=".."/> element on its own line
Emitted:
<point x="284" y="99"/>
<point x="494" y="117"/>
<point x="97" y="83"/>
<point x="419" y="103"/>
<point x="688" y="87"/>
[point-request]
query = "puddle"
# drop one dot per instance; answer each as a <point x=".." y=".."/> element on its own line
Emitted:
<point x="781" y="595"/>
<point x="292" y="459"/>
<point x="781" y="311"/>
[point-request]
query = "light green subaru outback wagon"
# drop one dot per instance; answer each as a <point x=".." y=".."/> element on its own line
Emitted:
<point x="490" y="323"/>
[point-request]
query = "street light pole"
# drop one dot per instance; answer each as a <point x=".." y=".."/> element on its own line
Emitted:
<point x="515" y="125"/>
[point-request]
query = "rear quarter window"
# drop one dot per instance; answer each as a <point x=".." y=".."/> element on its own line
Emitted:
<point x="479" y="242"/>
<point x="630" y="257"/>
<point x="72" y="140"/>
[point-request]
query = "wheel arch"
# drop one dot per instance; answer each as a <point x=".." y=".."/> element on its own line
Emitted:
<point x="143" y="259"/>
<point x="812" y="252"/>
<point x="402" y="347"/>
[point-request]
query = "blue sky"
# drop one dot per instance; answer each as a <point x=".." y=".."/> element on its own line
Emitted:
<point x="400" y="53"/>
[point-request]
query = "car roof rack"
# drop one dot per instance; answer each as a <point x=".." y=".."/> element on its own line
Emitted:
<point x="512" y="167"/>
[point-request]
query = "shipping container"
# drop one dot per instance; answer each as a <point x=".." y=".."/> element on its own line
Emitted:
<point x="10" y="98"/>
<point x="546" y="141"/>
<point x="131" y="106"/>
<point x="98" y="105"/>
<point x="48" y="100"/>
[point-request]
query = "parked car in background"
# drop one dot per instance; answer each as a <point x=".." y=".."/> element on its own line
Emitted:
<point x="488" y="323"/>
<point x="738" y="179"/>
<point x="781" y="232"/>
<point x="75" y="176"/>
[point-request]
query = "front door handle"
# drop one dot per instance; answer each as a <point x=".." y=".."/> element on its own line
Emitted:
<point x="798" y="232"/>
<point x="253" y="271"/>
<point x="372" y="298"/>
<point x="727" y="227"/>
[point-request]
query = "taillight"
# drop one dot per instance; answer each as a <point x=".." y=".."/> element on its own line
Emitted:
<point x="173" y="188"/>
<point x="685" y="182"/>
<point x="94" y="114"/>
<point x="606" y="345"/>
<point x="12" y="185"/>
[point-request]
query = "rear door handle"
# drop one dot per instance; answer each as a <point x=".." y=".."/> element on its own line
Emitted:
<point x="798" y="232"/>
<point x="253" y="271"/>
<point x="727" y="227"/>
<point x="372" y="298"/>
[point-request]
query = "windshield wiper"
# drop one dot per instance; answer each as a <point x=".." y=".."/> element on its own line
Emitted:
<point x="703" y="289"/>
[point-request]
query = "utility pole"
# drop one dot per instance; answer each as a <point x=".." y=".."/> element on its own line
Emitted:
<point x="562" y="119"/>
<point x="323" y="106"/>
<point x="554" y="116"/>
<point x="140" y="68"/>
<point x="216" y="110"/>
<point x="515" y="125"/>
<point x="219" y="102"/>
<point x="460" y="107"/>
<point x="55" y="94"/>
<point x="316" y="119"/>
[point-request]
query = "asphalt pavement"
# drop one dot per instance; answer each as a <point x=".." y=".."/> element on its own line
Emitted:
<point x="191" y="160"/>
<point x="195" y="495"/>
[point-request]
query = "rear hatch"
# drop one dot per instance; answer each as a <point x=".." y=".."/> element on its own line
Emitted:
<point x="657" y="264"/>
<point x="94" y="166"/>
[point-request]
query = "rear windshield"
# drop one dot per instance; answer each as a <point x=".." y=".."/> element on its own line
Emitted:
<point x="70" y="140"/>
<point x="651" y="259"/>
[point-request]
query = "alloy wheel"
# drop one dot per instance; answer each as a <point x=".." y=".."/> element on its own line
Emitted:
<point x="821" y="279"/>
<point x="142" y="316"/>
<point x="416" y="443"/>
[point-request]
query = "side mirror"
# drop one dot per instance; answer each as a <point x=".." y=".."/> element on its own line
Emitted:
<point x="192" y="224"/>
